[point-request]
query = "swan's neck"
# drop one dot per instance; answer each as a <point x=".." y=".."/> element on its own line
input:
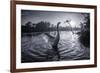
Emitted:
<point x="57" y="29"/>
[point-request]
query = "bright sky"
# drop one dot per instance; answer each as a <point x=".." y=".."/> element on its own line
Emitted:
<point x="52" y="16"/>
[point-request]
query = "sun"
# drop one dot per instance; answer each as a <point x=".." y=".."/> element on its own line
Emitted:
<point x="73" y="24"/>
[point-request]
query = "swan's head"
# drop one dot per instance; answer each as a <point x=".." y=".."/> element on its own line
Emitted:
<point x="67" y="21"/>
<point x="58" y="23"/>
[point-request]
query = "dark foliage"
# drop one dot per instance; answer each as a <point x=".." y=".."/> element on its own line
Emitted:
<point x="85" y="38"/>
<point x="85" y="32"/>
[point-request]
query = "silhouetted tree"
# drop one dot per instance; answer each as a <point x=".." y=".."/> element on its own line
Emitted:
<point x="85" y="32"/>
<point x="42" y="26"/>
<point x="28" y="26"/>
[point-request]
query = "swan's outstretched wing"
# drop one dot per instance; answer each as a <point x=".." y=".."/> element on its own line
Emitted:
<point x="35" y="49"/>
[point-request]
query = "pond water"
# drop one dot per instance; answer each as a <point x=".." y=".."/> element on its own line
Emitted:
<point x="38" y="48"/>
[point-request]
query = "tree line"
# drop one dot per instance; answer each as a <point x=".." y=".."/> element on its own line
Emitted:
<point x="43" y="26"/>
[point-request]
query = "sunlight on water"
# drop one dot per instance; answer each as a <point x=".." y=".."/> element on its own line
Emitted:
<point x="38" y="47"/>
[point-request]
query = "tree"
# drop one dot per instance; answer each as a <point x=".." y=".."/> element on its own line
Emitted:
<point x="42" y="26"/>
<point x="85" y="32"/>
<point x="28" y="26"/>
